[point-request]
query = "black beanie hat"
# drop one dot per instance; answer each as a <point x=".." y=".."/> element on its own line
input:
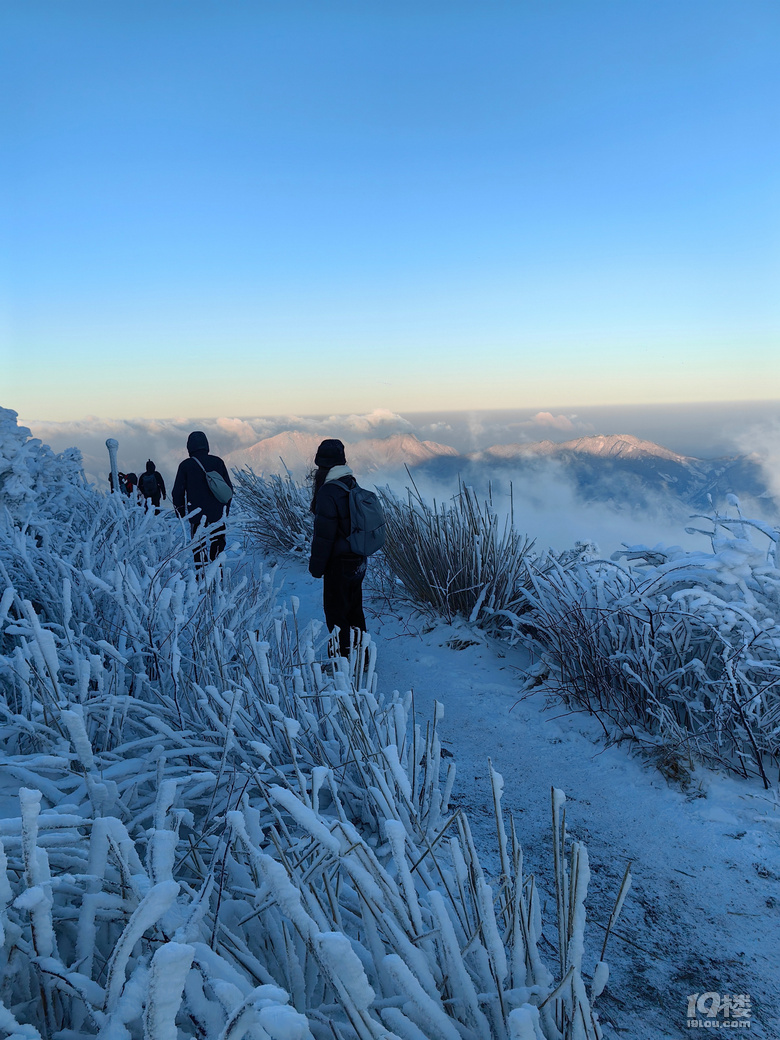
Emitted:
<point x="329" y="454"/>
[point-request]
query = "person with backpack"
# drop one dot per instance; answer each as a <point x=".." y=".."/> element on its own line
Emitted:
<point x="203" y="488"/>
<point x="348" y="527"/>
<point x="152" y="486"/>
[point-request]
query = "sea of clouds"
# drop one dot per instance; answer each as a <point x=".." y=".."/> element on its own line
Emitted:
<point x="546" y="504"/>
<point x="164" y="440"/>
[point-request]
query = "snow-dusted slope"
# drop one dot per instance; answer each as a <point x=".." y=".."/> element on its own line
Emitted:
<point x="128" y="739"/>
<point x="293" y="448"/>
<point x="394" y="452"/>
<point x="296" y="451"/>
<point x="621" y="446"/>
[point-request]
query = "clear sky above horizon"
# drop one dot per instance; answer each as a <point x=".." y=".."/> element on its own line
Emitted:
<point x="233" y="209"/>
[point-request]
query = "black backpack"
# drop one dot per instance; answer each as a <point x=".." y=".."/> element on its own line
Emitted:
<point x="367" y="520"/>
<point x="148" y="484"/>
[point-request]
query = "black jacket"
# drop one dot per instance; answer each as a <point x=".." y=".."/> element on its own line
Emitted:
<point x="159" y="491"/>
<point x="331" y="526"/>
<point x="191" y="490"/>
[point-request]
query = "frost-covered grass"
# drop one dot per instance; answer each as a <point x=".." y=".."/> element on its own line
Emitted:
<point x="681" y="649"/>
<point x="220" y="835"/>
<point x="36" y="486"/>
<point x="274" y="512"/>
<point x="457" y="559"/>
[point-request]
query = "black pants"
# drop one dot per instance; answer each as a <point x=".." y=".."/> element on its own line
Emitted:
<point x="342" y="597"/>
<point x="206" y="544"/>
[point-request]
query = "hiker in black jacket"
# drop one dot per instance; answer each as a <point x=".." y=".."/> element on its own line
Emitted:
<point x="151" y="485"/>
<point x="331" y="557"/>
<point x="191" y="492"/>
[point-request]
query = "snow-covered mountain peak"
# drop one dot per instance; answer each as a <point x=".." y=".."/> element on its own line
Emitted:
<point x="366" y="455"/>
<point x="618" y="445"/>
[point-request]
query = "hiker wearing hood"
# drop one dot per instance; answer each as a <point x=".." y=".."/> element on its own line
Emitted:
<point x="191" y="492"/>
<point x="331" y="556"/>
<point x="151" y="485"/>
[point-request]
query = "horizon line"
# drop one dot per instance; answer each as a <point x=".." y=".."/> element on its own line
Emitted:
<point x="91" y="417"/>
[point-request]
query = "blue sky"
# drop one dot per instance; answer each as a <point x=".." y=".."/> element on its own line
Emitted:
<point x="244" y="209"/>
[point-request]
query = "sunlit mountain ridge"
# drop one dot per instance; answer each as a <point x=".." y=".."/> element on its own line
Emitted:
<point x="295" y="450"/>
<point x="618" y="468"/>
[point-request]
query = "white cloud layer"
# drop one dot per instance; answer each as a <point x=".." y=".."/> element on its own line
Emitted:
<point x="164" y="440"/>
<point x="548" y="509"/>
<point x="763" y="441"/>
<point x="558" y="422"/>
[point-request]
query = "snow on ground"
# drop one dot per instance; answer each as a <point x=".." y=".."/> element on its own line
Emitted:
<point x="703" y="914"/>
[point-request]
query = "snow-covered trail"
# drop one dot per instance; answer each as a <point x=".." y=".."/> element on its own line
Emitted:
<point x="703" y="914"/>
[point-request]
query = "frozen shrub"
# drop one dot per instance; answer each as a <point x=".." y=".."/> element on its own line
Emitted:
<point x="274" y="512"/>
<point x="678" y="648"/>
<point x="458" y="559"/>
<point x="36" y="486"/>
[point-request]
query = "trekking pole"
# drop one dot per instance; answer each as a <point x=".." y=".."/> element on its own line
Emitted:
<point x="113" y="447"/>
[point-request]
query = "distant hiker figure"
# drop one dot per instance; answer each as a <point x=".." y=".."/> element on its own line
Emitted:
<point x="203" y="484"/>
<point x="131" y="487"/>
<point x="124" y="485"/>
<point x="332" y="557"/>
<point x="151" y="485"/>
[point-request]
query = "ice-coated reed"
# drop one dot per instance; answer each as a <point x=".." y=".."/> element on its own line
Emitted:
<point x="678" y="649"/>
<point x="459" y="559"/>
<point x="275" y="513"/>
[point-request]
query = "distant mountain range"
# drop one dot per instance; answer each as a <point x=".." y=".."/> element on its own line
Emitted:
<point x="619" y="468"/>
<point x="619" y="446"/>
<point x="295" y="451"/>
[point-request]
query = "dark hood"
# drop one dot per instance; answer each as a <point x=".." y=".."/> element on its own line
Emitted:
<point x="197" y="442"/>
<point x="150" y="467"/>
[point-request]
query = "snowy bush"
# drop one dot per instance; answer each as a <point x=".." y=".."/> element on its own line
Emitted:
<point x="457" y="559"/>
<point x="35" y="484"/>
<point x="274" y="512"/>
<point x="221" y="836"/>
<point x="679" y="648"/>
